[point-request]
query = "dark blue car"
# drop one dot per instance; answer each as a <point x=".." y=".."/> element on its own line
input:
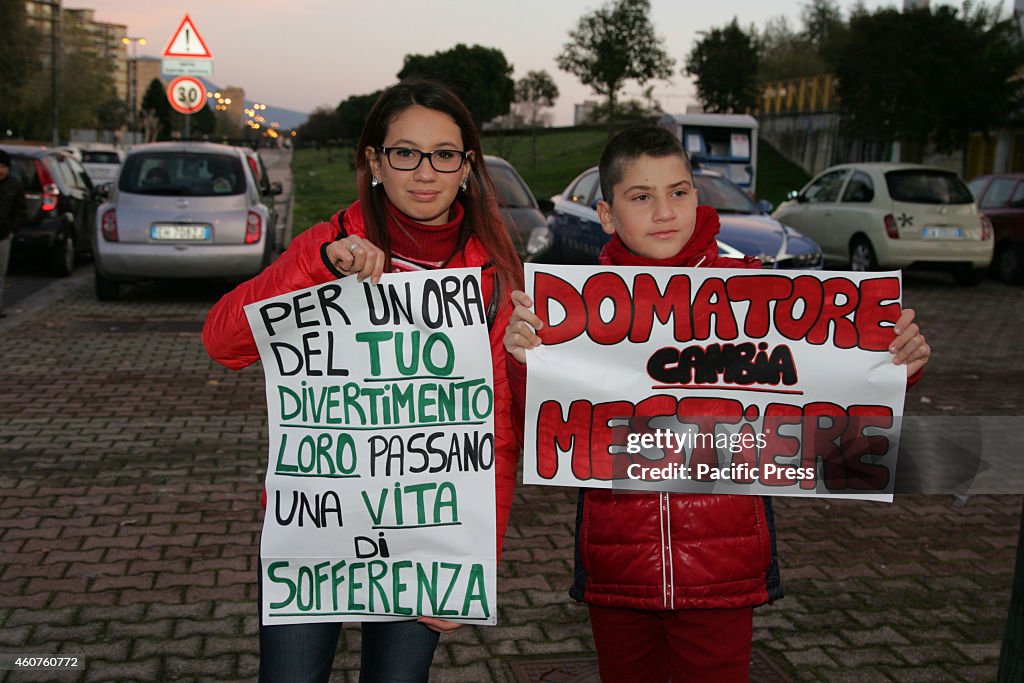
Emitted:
<point x="576" y="236"/>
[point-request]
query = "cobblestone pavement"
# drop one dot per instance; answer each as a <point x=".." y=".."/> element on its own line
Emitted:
<point x="129" y="515"/>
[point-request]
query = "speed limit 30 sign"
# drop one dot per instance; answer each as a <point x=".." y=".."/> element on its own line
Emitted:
<point x="186" y="94"/>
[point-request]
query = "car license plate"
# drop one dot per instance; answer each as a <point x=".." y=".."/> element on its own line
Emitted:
<point x="943" y="233"/>
<point x="180" y="232"/>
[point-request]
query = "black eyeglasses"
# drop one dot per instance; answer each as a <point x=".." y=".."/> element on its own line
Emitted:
<point x="410" y="158"/>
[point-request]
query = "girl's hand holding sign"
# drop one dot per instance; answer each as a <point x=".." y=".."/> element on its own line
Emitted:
<point x="521" y="333"/>
<point x="909" y="347"/>
<point x="354" y="256"/>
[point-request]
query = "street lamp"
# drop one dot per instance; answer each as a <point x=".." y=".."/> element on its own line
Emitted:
<point x="133" y="44"/>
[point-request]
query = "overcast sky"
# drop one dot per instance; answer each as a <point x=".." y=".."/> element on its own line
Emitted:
<point x="302" y="54"/>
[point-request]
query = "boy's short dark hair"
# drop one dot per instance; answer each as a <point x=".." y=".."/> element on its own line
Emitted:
<point x="631" y="144"/>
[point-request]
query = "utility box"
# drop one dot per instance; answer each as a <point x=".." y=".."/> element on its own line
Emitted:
<point x="725" y="143"/>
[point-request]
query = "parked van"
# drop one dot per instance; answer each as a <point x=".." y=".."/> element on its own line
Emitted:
<point x="726" y="143"/>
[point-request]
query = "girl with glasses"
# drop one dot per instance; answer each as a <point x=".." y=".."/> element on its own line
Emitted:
<point x="425" y="202"/>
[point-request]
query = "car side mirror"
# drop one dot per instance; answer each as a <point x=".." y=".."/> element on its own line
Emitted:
<point x="103" y="190"/>
<point x="795" y="194"/>
<point x="546" y="206"/>
<point x="765" y="206"/>
<point x="275" y="188"/>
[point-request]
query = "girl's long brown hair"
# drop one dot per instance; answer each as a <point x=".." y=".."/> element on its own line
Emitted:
<point x="482" y="217"/>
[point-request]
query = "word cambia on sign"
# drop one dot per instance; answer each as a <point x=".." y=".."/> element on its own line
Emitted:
<point x="380" y="481"/>
<point x="714" y="381"/>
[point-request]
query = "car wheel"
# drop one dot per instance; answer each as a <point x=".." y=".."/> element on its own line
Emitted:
<point x="862" y="256"/>
<point x="107" y="289"/>
<point x="968" y="277"/>
<point x="1008" y="263"/>
<point x="62" y="255"/>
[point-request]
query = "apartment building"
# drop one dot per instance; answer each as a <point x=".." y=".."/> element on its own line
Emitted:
<point x="107" y="40"/>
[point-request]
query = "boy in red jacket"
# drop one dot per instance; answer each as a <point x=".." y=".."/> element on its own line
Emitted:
<point x="670" y="579"/>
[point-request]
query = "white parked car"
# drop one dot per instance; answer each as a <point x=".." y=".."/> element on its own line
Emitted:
<point x="890" y="215"/>
<point x="102" y="163"/>
<point x="182" y="210"/>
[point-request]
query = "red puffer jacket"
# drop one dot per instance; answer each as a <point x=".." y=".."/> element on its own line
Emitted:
<point x="229" y="340"/>
<point x="664" y="551"/>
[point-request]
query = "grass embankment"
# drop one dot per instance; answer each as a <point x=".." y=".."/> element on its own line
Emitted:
<point x="776" y="175"/>
<point x="324" y="179"/>
<point x="323" y="182"/>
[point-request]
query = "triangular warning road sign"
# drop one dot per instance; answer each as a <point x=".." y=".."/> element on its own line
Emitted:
<point x="187" y="43"/>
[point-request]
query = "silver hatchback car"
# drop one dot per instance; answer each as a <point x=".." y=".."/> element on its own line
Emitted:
<point x="182" y="210"/>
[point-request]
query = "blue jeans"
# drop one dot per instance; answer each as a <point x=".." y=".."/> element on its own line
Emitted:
<point x="392" y="651"/>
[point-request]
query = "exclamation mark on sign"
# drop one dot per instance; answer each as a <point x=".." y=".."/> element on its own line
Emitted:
<point x="187" y="48"/>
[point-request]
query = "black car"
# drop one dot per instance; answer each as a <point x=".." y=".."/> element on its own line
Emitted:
<point x="60" y="207"/>
<point x="523" y="213"/>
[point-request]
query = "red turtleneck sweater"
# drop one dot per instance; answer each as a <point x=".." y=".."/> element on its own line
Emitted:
<point x="415" y="246"/>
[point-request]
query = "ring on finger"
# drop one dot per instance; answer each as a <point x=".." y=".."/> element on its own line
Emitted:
<point x="353" y="246"/>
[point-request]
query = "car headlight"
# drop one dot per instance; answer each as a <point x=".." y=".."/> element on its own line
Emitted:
<point x="541" y="239"/>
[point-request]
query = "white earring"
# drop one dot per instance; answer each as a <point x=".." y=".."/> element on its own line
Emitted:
<point x="465" y="181"/>
<point x="375" y="181"/>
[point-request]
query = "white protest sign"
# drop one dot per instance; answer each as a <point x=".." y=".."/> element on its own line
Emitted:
<point x="380" y="485"/>
<point x="714" y="381"/>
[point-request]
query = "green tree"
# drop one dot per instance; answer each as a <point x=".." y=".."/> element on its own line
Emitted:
<point x="112" y="114"/>
<point x="322" y="126"/>
<point x="481" y="76"/>
<point x="724" y="65"/>
<point x="957" y="75"/>
<point x="84" y="83"/>
<point x="535" y="91"/>
<point x="824" y="27"/>
<point x="203" y="122"/>
<point x="18" y="63"/>
<point x="612" y="45"/>
<point x="787" y="53"/>
<point x="352" y="113"/>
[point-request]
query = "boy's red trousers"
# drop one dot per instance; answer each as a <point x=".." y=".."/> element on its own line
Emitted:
<point x="647" y="646"/>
